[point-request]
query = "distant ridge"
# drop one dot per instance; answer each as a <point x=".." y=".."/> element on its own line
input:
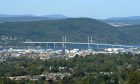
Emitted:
<point x="22" y="18"/>
<point x="123" y="21"/>
<point x="125" y="18"/>
<point x="9" y="15"/>
<point x="56" y="16"/>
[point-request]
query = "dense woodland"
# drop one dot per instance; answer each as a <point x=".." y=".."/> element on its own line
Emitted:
<point x="92" y="69"/>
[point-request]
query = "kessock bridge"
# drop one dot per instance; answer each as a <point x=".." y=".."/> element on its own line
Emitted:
<point x="90" y="43"/>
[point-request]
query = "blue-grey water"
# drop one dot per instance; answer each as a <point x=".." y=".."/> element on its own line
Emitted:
<point x="67" y="46"/>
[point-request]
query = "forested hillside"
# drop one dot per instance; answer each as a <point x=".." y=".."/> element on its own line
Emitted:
<point x="133" y="32"/>
<point x="76" y="29"/>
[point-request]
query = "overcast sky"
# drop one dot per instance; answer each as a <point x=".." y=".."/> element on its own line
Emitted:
<point x="73" y="8"/>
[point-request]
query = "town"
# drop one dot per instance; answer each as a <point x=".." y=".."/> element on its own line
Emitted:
<point x="43" y="51"/>
<point x="50" y="53"/>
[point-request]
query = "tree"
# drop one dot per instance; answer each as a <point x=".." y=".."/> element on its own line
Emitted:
<point x="134" y="77"/>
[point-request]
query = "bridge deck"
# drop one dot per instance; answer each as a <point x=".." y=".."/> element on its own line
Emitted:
<point x="78" y="43"/>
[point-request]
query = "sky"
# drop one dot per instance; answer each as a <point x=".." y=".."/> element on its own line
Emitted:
<point x="73" y="8"/>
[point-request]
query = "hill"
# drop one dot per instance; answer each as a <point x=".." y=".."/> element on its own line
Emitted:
<point x="123" y="21"/>
<point x="23" y="18"/>
<point x="76" y="29"/>
<point x="56" y="16"/>
<point x="125" y="18"/>
<point x="132" y="32"/>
